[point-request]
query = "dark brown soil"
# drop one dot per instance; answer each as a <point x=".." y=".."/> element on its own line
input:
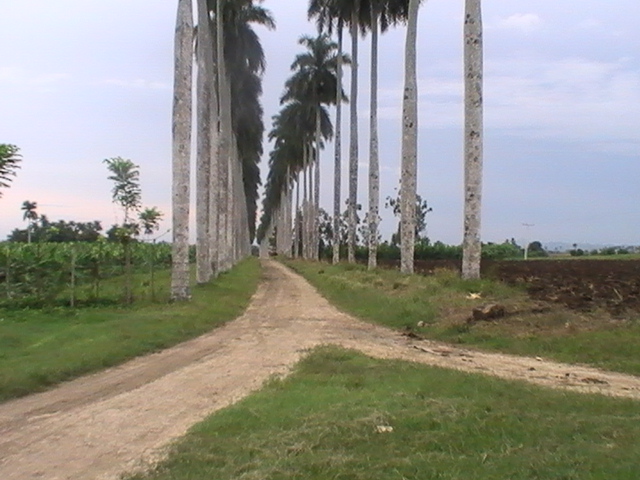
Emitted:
<point x="584" y="285"/>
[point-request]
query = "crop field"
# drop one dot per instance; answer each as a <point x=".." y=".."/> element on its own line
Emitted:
<point x="582" y="285"/>
<point x="63" y="274"/>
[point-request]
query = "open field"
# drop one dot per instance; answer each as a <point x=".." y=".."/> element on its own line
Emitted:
<point x="343" y="415"/>
<point x="439" y="306"/>
<point x="580" y="284"/>
<point x="42" y="347"/>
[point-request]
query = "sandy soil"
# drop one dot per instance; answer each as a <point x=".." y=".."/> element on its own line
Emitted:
<point x="121" y="420"/>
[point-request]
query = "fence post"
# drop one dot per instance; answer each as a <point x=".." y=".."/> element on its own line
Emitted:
<point x="73" y="275"/>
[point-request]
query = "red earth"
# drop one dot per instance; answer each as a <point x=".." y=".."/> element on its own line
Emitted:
<point x="585" y="285"/>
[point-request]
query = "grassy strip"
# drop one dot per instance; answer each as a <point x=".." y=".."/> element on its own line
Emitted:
<point x="442" y="302"/>
<point x="40" y="348"/>
<point x="323" y="421"/>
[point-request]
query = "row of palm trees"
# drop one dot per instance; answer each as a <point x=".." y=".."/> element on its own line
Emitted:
<point x="288" y="162"/>
<point x="229" y="128"/>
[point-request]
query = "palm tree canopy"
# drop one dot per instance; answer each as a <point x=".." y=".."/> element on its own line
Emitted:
<point x="331" y="13"/>
<point x="315" y="77"/>
<point x="245" y="63"/>
<point x="9" y="163"/>
<point x="29" y="209"/>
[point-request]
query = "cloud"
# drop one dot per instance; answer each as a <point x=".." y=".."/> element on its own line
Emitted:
<point x="523" y="22"/>
<point x="20" y="76"/>
<point x="572" y="99"/>
<point x="137" y="83"/>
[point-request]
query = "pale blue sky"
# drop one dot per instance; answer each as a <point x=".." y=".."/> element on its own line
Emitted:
<point x="82" y="80"/>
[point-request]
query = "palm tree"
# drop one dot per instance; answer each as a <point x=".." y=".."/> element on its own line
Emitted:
<point x="126" y="185"/>
<point x="383" y="13"/>
<point x="326" y="14"/>
<point x="353" y="138"/>
<point x="292" y="133"/>
<point x="353" y="13"/>
<point x="30" y="215"/>
<point x="9" y="163"/>
<point x="473" y="132"/>
<point x="240" y="64"/>
<point x="409" y="145"/>
<point x="315" y="81"/>
<point x="150" y="220"/>
<point x="181" y="150"/>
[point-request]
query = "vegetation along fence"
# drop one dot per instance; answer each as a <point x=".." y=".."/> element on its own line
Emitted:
<point x="50" y="274"/>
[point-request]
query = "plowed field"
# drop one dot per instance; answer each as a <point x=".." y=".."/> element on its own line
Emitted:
<point x="613" y="285"/>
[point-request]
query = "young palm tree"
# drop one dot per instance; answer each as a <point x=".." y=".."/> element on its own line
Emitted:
<point x="181" y="129"/>
<point x="409" y="145"/>
<point x="473" y="132"/>
<point x="9" y="163"/>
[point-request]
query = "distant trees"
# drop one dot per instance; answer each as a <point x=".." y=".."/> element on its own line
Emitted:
<point x="60" y="231"/>
<point x="9" y="162"/>
<point x="421" y="210"/>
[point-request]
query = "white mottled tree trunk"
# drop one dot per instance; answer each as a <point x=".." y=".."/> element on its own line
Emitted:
<point x="473" y="134"/>
<point x="224" y="150"/>
<point x="374" y="166"/>
<point x="309" y="221"/>
<point x="409" y="146"/>
<point x="296" y="235"/>
<point x="315" y="254"/>
<point x="181" y="155"/>
<point x="353" y="141"/>
<point x="203" y="160"/>
<point x="337" y="169"/>
<point x="204" y="56"/>
<point x="305" y="201"/>
<point x="214" y="184"/>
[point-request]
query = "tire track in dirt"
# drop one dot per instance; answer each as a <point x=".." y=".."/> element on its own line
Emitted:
<point x="121" y="420"/>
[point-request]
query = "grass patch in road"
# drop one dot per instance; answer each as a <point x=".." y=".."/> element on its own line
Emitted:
<point x="322" y="423"/>
<point x="443" y="303"/>
<point x="39" y="348"/>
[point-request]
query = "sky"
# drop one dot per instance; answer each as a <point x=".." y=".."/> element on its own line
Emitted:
<point x="85" y="80"/>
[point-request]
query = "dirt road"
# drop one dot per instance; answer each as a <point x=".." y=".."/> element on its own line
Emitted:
<point x="122" y="419"/>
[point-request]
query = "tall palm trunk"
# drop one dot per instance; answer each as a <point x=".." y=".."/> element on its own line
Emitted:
<point x="181" y="132"/>
<point x="473" y="133"/>
<point x="315" y="254"/>
<point x="353" y="141"/>
<point x="204" y="56"/>
<point x="296" y="236"/>
<point x="309" y="222"/>
<point x="224" y="148"/>
<point x="374" y="163"/>
<point x="337" y="180"/>
<point x="409" y="146"/>
<point x="305" y="201"/>
<point x="214" y="170"/>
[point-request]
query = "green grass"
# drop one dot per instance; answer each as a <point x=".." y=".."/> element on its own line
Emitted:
<point x="321" y="423"/>
<point x="440" y="301"/>
<point x="39" y="348"/>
